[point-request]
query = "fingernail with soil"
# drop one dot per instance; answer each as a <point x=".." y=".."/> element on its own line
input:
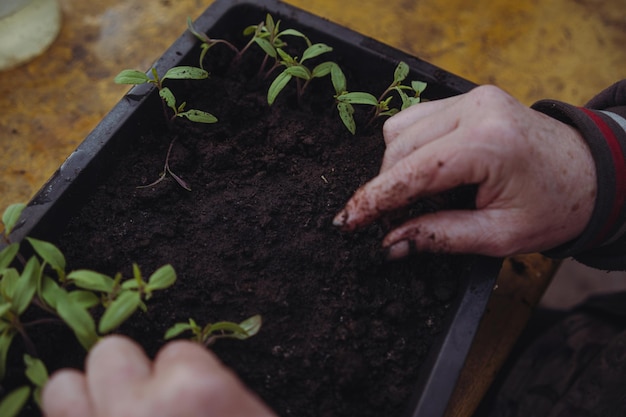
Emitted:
<point x="398" y="250"/>
<point x="341" y="218"/>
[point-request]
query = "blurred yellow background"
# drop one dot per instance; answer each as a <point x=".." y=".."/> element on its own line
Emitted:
<point x="565" y="49"/>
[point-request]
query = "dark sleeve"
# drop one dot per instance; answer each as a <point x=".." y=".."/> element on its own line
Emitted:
<point x="602" y="123"/>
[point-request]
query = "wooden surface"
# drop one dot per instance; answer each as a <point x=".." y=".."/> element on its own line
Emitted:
<point x="562" y="49"/>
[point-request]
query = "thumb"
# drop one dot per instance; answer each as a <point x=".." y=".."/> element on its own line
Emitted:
<point x="454" y="231"/>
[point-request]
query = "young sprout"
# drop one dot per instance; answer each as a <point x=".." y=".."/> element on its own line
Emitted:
<point x="211" y="332"/>
<point x="270" y="38"/>
<point x="135" y="77"/>
<point x="345" y="99"/>
<point x="296" y="68"/>
<point x="208" y="43"/>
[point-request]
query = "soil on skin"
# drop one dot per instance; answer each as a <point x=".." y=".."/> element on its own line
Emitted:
<point x="344" y="331"/>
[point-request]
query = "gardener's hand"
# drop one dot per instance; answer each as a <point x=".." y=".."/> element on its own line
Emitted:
<point x="185" y="380"/>
<point x="536" y="177"/>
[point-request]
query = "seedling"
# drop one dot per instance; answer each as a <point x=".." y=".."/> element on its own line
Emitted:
<point x="296" y="68"/>
<point x="43" y="283"/>
<point x="345" y="99"/>
<point x="208" y="43"/>
<point x="211" y="332"/>
<point x="135" y="77"/>
<point x="270" y="38"/>
<point x="14" y="401"/>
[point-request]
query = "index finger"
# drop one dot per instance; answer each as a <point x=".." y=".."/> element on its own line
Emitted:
<point x="437" y="166"/>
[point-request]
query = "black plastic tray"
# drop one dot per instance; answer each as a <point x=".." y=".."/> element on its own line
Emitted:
<point x="48" y="212"/>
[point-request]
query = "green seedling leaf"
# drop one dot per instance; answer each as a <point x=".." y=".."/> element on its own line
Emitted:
<point x="37" y="374"/>
<point x="338" y="79"/>
<point x="401" y="72"/>
<point x="162" y="278"/>
<point x="176" y="330"/>
<point x="233" y="329"/>
<point x="198" y="116"/>
<point x="186" y="73"/>
<point x="7" y="255"/>
<point x="12" y="404"/>
<point x="36" y="371"/>
<point x="269" y="23"/>
<point x="131" y="76"/>
<point x="346" y="113"/>
<point x="76" y="317"/>
<point x="267" y="46"/>
<point x="315" y="50"/>
<point x="4" y="308"/>
<point x="167" y="96"/>
<point x="85" y="299"/>
<point x="119" y="310"/>
<point x="50" y="254"/>
<point x="293" y="32"/>
<point x="5" y="343"/>
<point x="322" y="69"/>
<point x="91" y="280"/>
<point x="419" y="86"/>
<point x="26" y="286"/>
<point x="51" y="293"/>
<point x="277" y="86"/>
<point x="201" y="36"/>
<point x="10" y="278"/>
<point x="298" y="72"/>
<point x="358" y="98"/>
<point x="11" y="215"/>
<point x="252" y="325"/>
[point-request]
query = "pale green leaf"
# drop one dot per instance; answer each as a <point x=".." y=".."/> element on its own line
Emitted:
<point x="7" y="255"/>
<point x="198" y="116"/>
<point x="176" y="330"/>
<point x="267" y="46"/>
<point x="338" y="79"/>
<point x="11" y="215"/>
<point x="85" y="299"/>
<point x="10" y="278"/>
<point x="13" y="402"/>
<point x="419" y="86"/>
<point x="314" y="50"/>
<point x="26" y="286"/>
<point x="293" y="32"/>
<point x="91" y="280"/>
<point x="131" y="76"/>
<point x="277" y="86"/>
<point x="77" y="318"/>
<point x="162" y="278"/>
<point x="252" y="325"/>
<point x="36" y="371"/>
<point x="167" y="96"/>
<point x="119" y="310"/>
<point x="299" y="72"/>
<point x="49" y="253"/>
<point x="401" y="72"/>
<point x="4" y="308"/>
<point x="231" y="329"/>
<point x="185" y="73"/>
<point x="6" y="338"/>
<point x="358" y="98"/>
<point x="322" y="69"/>
<point x="51" y="293"/>
<point x="346" y="113"/>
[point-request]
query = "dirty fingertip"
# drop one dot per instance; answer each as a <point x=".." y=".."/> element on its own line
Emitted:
<point x="398" y="250"/>
<point x="341" y="219"/>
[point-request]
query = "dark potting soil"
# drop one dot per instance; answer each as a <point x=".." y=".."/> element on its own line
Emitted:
<point x="344" y="331"/>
